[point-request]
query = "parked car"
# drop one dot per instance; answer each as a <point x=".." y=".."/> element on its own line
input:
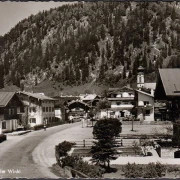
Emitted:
<point x="2" y="137"/>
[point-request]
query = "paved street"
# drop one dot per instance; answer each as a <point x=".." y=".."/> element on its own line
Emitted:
<point x="19" y="154"/>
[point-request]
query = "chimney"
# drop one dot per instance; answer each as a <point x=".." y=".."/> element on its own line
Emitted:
<point x="152" y="92"/>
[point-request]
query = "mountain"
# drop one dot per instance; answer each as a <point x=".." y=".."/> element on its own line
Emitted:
<point x="99" y="43"/>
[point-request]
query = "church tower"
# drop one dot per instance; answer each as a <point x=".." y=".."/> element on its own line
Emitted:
<point x="140" y="77"/>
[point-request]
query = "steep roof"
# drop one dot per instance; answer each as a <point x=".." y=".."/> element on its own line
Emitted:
<point x="87" y="97"/>
<point x="37" y="96"/>
<point x="5" y="97"/>
<point x="171" y="81"/>
<point x="122" y="89"/>
<point x="142" y="92"/>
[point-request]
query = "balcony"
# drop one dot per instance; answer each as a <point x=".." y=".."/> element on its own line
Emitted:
<point x="11" y="116"/>
<point x="120" y="98"/>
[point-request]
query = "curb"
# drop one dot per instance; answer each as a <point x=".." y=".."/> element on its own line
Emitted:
<point x="18" y="133"/>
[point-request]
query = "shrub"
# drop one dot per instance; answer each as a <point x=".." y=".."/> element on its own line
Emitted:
<point x="78" y="164"/>
<point x="133" y="170"/>
<point x="173" y="169"/>
<point x="61" y="150"/>
<point x="70" y="161"/>
<point x="149" y="153"/>
<point x="38" y="127"/>
<point x="27" y="127"/>
<point x="150" y="170"/>
<point x="160" y="168"/>
<point x="91" y="171"/>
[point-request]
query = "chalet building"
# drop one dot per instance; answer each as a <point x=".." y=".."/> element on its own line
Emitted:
<point x="77" y="108"/>
<point x="160" y="111"/>
<point x="39" y="108"/>
<point x="61" y="109"/>
<point x="144" y="97"/>
<point x="11" y="109"/>
<point x="122" y="101"/>
<point x="168" y="88"/>
<point x="144" y="105"/>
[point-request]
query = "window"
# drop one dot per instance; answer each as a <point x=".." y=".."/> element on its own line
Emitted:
<point x="4" y="125"/>
<point x="32" y="120"/>
<point x="34" y="109"/>
<point x="146" y="102"/>
<point x="9" y="111"/>
<point x="12" y="111"/>
<point x="49" y="109"/>
<point x="147" y="112"/>
<point x="46" y="109"/>
<point x="21" y="109"/>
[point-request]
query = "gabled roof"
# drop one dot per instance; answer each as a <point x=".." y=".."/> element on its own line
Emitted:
<point x="5" y="97"/>
<point x="88" y="97"/>
<point x="142" y="92"/>
<point x="37" y="96"/>
<point x="171" y="81"/>
<point x="122" y="89"/>
<point x="77" y="101"/>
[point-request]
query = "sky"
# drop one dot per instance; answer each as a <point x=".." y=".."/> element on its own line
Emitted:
<point x="13" y="12"/>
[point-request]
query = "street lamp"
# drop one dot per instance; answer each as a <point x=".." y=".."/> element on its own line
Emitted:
<point x="132" y="122"/>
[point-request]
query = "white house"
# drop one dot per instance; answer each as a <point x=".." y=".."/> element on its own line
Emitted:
<point x="122" y="101"/>
<point x="39" y="108"/>
<point x="144" y="106"/>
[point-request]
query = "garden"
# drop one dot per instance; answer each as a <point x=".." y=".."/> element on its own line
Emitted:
<point x="105" y="149"/>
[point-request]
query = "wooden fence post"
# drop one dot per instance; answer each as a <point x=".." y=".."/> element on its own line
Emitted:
<point x="83" y="143"/>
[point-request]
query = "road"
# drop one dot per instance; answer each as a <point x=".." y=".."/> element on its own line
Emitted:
<point x="25" y="156"/>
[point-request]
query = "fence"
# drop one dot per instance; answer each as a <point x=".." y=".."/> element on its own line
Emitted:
<point x="88" y="143"/>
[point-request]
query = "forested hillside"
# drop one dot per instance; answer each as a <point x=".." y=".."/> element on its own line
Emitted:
<point x="96" y="42"/>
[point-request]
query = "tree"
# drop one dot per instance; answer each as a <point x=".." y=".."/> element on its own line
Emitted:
<point x="105" y="131"/>
<point x="103" y="104"/>
<point x="61" y="150"/>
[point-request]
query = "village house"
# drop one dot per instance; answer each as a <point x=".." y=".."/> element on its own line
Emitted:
<point x="144" y="97"/>
<point x="39" y="109"/>
<point x="144" y="105"/>
<point x="11" y="109"/>
<point x="121" y="100"/>
<point x="61" y="109"/>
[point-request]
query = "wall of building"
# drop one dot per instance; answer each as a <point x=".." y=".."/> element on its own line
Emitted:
<point x="141" y="110"/>
<point x="11" y="125"/>
<point x="49" y="112"/>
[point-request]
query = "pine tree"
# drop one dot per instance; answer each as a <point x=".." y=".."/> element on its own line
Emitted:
<point x="103" y="150"/>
